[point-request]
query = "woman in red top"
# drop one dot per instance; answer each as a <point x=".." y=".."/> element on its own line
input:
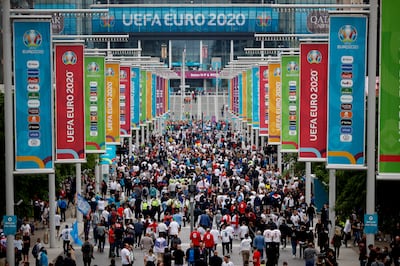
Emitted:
<point x="111" y="240"/>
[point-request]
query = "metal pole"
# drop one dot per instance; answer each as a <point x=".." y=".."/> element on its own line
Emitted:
<point x="216" y="96"/>
<point x="332" y="200"/>
<point x="183" y="85"/>
<point x="97" y="176"/>
<point x="52" y="211"/>
<point x="191" y="206"/>
<point x="137" y="144"/>
<point x="130" y="147"/>
<point x="308" y="183"/>
<point x="78" y="174"/>
<point x="142" y="135"/>
<point x="371" y="105"/>
<point x="8" y="123"/>
<point x="279" y="157"/>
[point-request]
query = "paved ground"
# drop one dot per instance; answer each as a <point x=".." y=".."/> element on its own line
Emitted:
<point x="348" y="256"/>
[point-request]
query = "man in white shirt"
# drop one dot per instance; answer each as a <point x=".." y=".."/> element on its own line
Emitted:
<point x="125" y="255"/>
<point x="128" y="214"/>
<point x="25" y="228"/>
<point x="65" y="236"/>
<point x="245" y="249"/>
<point x="243" y="230"/>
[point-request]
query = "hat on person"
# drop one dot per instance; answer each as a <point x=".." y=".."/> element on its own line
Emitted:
<point x="228" y="256"/>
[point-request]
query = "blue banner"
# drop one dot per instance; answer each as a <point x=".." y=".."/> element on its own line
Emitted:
<point x="75" y="234"/>
<point x="240" y="95"/>
<point x="153" y="95"/>
<point x="135" y="97"/>
<point x="256" y="97"/>
<point x="109" y="156"/>
<point x="34" y="112"/>
<point x="223" y="19"/>
<point x="346" y="92"/>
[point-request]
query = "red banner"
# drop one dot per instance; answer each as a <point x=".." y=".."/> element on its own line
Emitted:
<point x="125" y="101"/>
<point x="313" y="101"/>
<point x="264" y="100"/>
<point x="70" y="118"/>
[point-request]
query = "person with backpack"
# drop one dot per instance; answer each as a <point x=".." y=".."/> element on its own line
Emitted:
<point x="62" y="204"/>
<point x="35" y="251"/>
<point x="65" y="236"/>
<point x="87" y="252"/>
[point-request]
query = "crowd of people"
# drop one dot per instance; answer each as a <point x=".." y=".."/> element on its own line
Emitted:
<point x="200" y="173"/>
<point x="237" y="192"/>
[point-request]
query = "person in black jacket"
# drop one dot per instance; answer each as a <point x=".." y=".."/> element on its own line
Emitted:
<point x="215" y="260"/>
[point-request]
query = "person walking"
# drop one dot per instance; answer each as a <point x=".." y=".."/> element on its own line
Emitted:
<point x="87" y="252"/>
<point x="245" y="249"/>
<point x="309" y="255"/>
<point x="65" y="236"/>
<point x="125" y="256"/>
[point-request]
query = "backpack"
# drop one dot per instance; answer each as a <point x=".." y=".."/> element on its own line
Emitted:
<point x="35" y="251"/>
<point x="62" y="204"/>
<point x="86" y="248"/>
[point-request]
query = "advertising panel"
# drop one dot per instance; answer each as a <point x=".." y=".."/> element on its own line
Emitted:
<point x="33" y="108"/>
<point x="180" y="19"/>
<point x="264" y="100"/>
<point x="389" y="106"/>
<point x="274" y="122"/>
<point x="313" y="101"/>
<point x="256" y="97"/>
<point x="125" y="101"/>
<point x="135" y="97"/>
<point x="143" y="97"/>
<point x="346" y="92"/>
<point x="290" y="102"/>
<point x="70" y="103"/>
<point x="112" y="103"/>
<point x="95" y="104"/>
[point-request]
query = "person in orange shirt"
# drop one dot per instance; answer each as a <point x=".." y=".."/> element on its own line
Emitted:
<point x="256" y="257"/>
<point x="195" y="237"/>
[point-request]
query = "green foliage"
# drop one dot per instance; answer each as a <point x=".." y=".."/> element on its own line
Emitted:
<point x="351" y="192"/>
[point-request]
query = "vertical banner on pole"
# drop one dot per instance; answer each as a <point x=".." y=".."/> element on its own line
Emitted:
<point x="256" y="97"/>
<point x="274" y="122"/>
<point x="166" y="95"/>
<point x="135" y="97"/>
<point x="313" y="101"/>
<point x="389" y="107"/>
<point x="125" y="101"/>
<point x="240" y="95"/>
<point x="70" y="103"/>
<point x="264" y="100"/>
<point x="153" y="95"/>
<point x="290" y="103"/>
<point x="249" y="96"/>
<point x="95" y="104"/>
<point x="143" y="97"/>
<point x="244" y="95"/>
<point x="149" y="96"/>
<point x="33" y="76"/>
<point x="112" y="103"/>
<point x="346" y="92"/>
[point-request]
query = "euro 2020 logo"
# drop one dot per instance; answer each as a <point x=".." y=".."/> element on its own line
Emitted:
<point x="69" y="58"/>
<point x="32" y="38"/>
<point x="110" y="72"/>
<point x="314" y="57"/>
<point x="347" y="34"/>
<point x="292" y="67"/>
<point x="93" y="67"/>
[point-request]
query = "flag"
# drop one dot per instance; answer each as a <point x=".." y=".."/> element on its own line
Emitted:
<point x="83" y="205"/>
<point x="75" y="234"/>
